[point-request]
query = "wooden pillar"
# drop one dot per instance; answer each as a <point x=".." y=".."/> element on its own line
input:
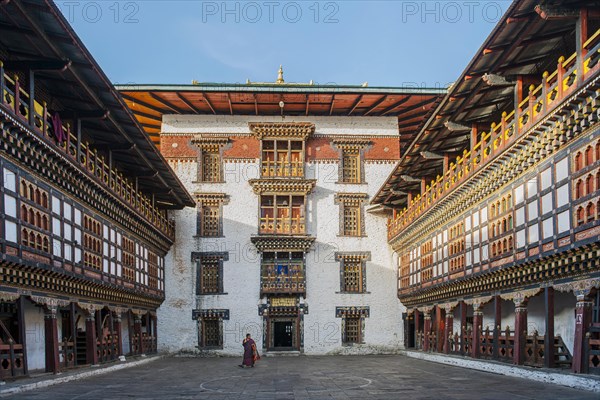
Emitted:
<point x="520" y="332"/>
<point x="426" y="329"/>
<point x="137" y="330"/>
<point x="91" y="341"/>
<point x="440" y="325"/>
<point x="22" y="330"/>
<point x="476" y="338"/>
<point x="462" y="307"/>
<point x="549" y="336"/>
<point x="51" y="339"/>
<point x="583" y="319"/>
<point x="417" y="323"/>
<point x="73" y="322"/>
<point x="497" y="325"/>
<point x="31" y="98"/>
<point x="449" y="331"/>
<point x="581" y="36"/>
<point x="118" y="327"/>
<point x="474" y="136"/>
<point x="155" y="331"/>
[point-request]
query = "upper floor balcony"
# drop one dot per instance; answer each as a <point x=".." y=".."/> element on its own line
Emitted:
<point x="570" y="75"/>
<point x="283" y="272"/>
<point x="16" y="101"/>
<point x="282" y="215"/>
<point x="282" y="158"/>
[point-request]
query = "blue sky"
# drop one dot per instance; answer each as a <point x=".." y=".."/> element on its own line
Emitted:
<point x="387" y="43"/>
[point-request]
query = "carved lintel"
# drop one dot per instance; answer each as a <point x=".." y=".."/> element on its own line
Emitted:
<point x="9" y="297"/>
<point x="301" y="130"/>
<point x="89" y="309"/>
<point x="520" y="297"/>
<point x="426" y="310"/>
<point x="50" y="304"/>
<point x="293" y="186"/>
<point x="478" y="302"/>
<point x="449" y="307"/>
<point x="581" y="289"/>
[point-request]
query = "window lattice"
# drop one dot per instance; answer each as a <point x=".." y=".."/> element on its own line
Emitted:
<point x="352" y="220"/>
<point x="352" y="276"/>
<point x="351" y="168"/>
<point x="211" y="167"/>
<point x="210" y="221"/>
<point x="209" y="279"/>
<point x="211" y="333"/>
<point x="352" y="329"/>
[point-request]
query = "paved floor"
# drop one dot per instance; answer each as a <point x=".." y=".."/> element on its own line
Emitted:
<point x="364" y="377"/>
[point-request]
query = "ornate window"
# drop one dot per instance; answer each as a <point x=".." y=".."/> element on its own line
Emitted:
<point x="589" y="184"/>
<point x="353" y="271"/>
<point x="282" y="272"/>
<point x="351" y="168"/>
<point x="282" y="158"/>
<point x="590" y="212"/>
<point x="210" y="272"/>
<point x="578" y="161"/>
<point x="351" y="213"/>
<point x="210" y="218"/>
<point x="282" y="214"/>
<point x="353" y="321"/>
<point x="210" y="166"/>
<point x="580" y="216"/>
<point x="579" y="191"/>
<point x="210" y="327"/>
<point x="589" y="156"/>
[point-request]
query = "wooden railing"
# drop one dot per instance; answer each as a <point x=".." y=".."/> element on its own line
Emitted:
<point x="108" y="347"/>
<point x="66" y="350"/>
<point x="592" y="350"/>
<point x="149" y="343"/>
<point x="12" y="363"/>
<point x="283" y="225"/>
<point x="555" y="87"/>
<point x="272" y="168"/>
<point x="15" y="99"/>
<point x="291" y="282"/>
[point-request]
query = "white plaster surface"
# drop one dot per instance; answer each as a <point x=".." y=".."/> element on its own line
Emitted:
<point x="34" y="328"/>
<point x="241" y="274"/>
<point x="238" y="124"/>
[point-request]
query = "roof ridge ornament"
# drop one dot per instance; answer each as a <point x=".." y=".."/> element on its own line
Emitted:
<point x="280" y="79"/>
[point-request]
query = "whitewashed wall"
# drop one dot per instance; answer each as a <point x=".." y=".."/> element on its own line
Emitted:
<point x="241" y="274"/>
<point x="34" y="330"/>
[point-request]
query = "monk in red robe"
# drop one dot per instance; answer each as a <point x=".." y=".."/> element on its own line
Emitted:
<point x="250" y="352"/>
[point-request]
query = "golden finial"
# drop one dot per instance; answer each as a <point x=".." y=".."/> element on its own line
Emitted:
<point x="280" y="75"/>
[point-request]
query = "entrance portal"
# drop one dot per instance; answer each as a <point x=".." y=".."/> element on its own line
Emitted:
<point x="283" y="335"/>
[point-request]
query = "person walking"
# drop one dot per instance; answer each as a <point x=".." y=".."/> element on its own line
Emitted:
<point x="250" y="352"/>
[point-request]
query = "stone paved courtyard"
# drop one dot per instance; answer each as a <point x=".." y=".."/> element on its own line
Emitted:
<point x="366" y="377"/>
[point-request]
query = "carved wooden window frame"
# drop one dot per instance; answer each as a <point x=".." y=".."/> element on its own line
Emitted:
<point x="353" y="258"/>
<point x="354" y="200"/>
<point x="202" y="259"/>
<point x="211" y="202"/>
<point x="351" y="148"/>
<point x="357" y="315"/>
<point x="215" y="317"/>
<point x="210" y="147"/>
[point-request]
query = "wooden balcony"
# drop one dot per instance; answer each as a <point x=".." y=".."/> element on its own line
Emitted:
<point x="282" y="169"/>
<point x="282" y="226"/>
<point x="289" y="279"/>
<point x="16" y="101"/>
<point x="570" y="75"/>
